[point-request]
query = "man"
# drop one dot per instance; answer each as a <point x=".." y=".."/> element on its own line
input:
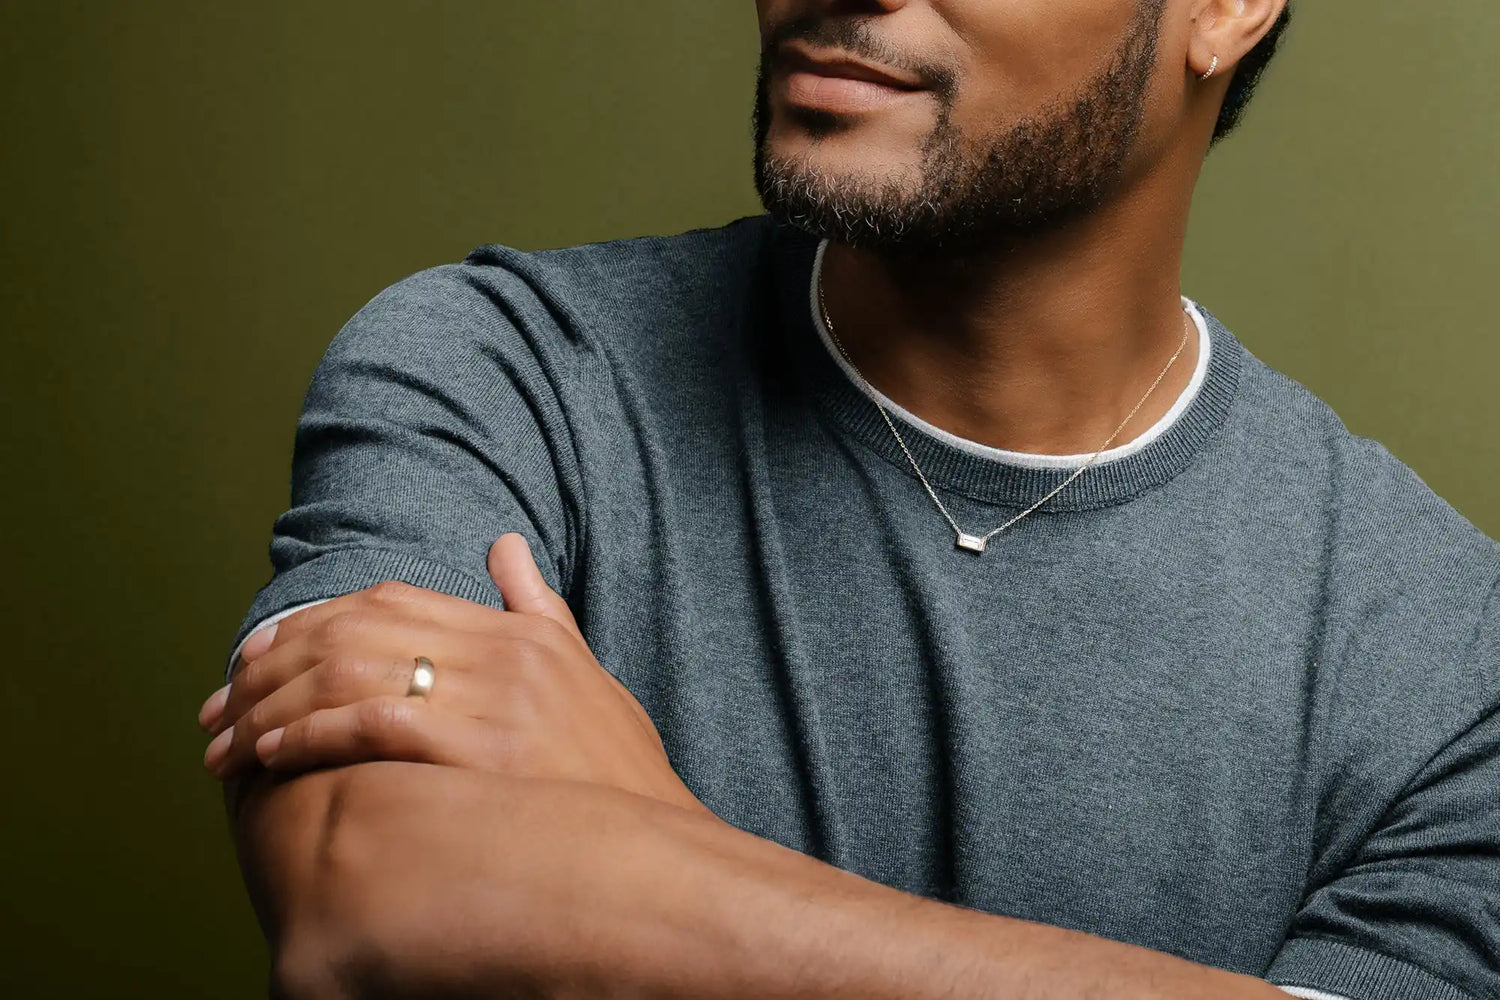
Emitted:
<point x="905" y="595"/>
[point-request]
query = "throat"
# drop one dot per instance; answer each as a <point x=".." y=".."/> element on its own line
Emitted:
<point x="1062" y="390"/>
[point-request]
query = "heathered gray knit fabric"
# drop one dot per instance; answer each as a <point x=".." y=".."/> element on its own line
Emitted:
<point x="1232" y="698"/>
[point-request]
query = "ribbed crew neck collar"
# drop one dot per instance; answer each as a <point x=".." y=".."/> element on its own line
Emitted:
<point x="982" y="478"/>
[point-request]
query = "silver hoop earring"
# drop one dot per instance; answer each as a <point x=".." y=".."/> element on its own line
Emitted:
<point x="1212" y="68"/>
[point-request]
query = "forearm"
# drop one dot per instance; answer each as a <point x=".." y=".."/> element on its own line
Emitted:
<point x="296" y="883"/>
<point x="734" y="916"/>
<point x="436" y="881"/>
<point x="276" y="823"/>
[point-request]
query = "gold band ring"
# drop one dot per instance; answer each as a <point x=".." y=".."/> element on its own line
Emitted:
<point x="422" y="678"/>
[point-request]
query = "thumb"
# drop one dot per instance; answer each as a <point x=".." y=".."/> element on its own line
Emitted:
<point x="522" y="585"/>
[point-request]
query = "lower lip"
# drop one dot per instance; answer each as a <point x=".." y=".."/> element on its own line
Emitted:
<point x="839" y="93"/>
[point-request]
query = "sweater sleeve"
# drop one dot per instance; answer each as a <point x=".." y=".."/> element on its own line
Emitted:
<point x="434" y="424"/>
<point x="1415" y="914"/>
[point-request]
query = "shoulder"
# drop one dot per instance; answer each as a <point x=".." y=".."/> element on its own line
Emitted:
<point x="1406" y="579"/>
<point x="648" y="287"/>
<point x="561" y="317"/>
<point x="620" y="268"/>
<point x="1371" y="492"/>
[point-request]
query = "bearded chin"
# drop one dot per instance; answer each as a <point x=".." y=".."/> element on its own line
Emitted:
<point x="948" y="205"/>
<point x="857" y="210"/>
<point x="894" y="213"/>
<point x="1040" y="174"/>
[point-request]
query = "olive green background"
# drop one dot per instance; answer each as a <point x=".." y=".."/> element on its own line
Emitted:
<point x="196" y="196"/>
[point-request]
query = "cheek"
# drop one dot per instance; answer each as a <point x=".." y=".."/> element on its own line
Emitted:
<point x="1169" y="83"/>
<point x="1017" y="58"/>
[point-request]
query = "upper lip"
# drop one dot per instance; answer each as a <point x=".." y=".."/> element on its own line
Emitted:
<point x="832" y="62"/>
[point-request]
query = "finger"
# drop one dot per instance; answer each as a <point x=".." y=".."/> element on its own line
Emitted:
<point x="255" y="679"/>
<point x="258" y="641"/>
<point x="372" y="618"/>
<point x="270" y="657"/>
<point x="525" y="590"/>
<point x="522" y="585"/>
<point x="384" y="728"/>
<point x="213" y="709"/>
<point x="389" y="598"/>
<point x="344" y="656"/>
<point x="342" y="680"/>
<point x="287" y="629"/>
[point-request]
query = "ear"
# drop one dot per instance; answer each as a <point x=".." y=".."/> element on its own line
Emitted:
<point x="1228" y="29"/>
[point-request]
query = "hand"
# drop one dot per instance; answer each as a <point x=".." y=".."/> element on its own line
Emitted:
<point x="517" y="692"/>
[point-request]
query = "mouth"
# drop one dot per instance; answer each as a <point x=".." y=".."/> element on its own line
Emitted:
<point x="834" y="81"/>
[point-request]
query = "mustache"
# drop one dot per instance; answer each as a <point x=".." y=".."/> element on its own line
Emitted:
<point x="856" y="36"/>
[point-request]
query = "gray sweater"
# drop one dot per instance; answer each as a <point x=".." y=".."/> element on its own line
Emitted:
<point x="1232" y="697"/>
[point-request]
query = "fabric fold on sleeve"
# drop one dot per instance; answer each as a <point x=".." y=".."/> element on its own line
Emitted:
<point x="1415" y="911"/>
<point x="435" y="423"/>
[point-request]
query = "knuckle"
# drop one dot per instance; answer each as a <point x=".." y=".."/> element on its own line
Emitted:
<point x="379" y="720"/>
<point x="248" y="678"/>
<point x="307" y="731"/>
<point x="301" y="621"/>
<point x="341" y="673"/>
<point x="390" y="592"/>
<point x="339" y="629"/>
<point x="251" y="724"/>
<point x="551" y="633"/>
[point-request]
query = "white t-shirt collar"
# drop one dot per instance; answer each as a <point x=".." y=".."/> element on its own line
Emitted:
<point x="1022" y="458"/>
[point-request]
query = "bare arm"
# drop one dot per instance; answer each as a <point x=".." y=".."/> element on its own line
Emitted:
<point x="445" y="882"/>
<point x="281" y="826"/>
<point x="808" y="929"/>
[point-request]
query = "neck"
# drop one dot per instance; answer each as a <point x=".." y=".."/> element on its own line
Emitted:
<point x="1040" y="346"/>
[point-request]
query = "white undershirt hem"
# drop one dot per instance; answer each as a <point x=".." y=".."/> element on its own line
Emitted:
<point x="263" y="623"/>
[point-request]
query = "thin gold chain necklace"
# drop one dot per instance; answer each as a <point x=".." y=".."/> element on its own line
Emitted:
<point x="978" y="543"/>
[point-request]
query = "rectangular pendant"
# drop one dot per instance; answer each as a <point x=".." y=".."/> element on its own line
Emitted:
<point x="971" y="542"/>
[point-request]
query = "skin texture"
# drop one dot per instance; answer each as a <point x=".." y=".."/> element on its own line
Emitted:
<point x="521" y="832"/>
<point x="1039" y="332"/>
<point x="576" y="890"/>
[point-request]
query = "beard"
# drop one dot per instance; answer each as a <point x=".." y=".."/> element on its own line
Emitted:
<point x="968" y="195"/>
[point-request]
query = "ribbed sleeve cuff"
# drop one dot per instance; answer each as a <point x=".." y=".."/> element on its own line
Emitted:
<point x="344" y="571"/>
<point x="1356" y="973"/>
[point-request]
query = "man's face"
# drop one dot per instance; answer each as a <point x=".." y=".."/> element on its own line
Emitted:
<point x="947" y="125"/>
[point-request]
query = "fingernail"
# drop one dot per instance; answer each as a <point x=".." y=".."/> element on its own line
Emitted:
<point x="213" y="707"/>
<point x="259" y="642"/>
<point x="218" y="749"/>
<point x="267" y="745"/>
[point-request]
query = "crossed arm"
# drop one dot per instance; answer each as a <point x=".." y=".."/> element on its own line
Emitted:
<point x="522" y="833"/>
